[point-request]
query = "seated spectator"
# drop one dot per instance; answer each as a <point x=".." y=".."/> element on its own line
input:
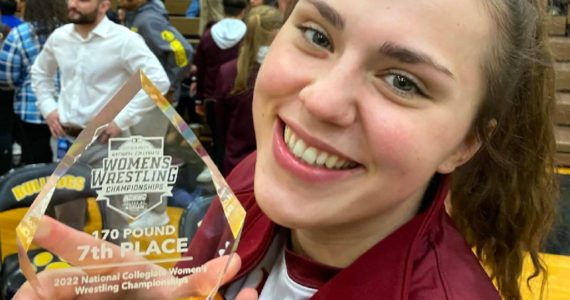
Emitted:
<point x="217" y="46"/>
<point x="8" y="9"/>
<point x="22" y="46"/>
<point x="236" y="80"/>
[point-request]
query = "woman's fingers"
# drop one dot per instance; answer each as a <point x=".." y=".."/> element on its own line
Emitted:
<point x="83" y="250"/>
<point x="201" y="284"/>
<point x="77" y="247"/>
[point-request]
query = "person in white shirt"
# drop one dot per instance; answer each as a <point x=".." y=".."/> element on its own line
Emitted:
<point x="95" y="57"/>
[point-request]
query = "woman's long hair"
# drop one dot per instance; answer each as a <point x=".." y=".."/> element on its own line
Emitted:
<point x="504" y="199"/>
<point x="262" y="23"/>
<point x="45" y="15"/>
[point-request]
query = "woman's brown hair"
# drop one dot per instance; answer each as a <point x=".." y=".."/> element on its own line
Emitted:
<point x="45" y="15"/>
<point x="503" y="200"/>
<point x="262" y="23"/>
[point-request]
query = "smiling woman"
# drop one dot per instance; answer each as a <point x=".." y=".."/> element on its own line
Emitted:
<point x="368" y="115"/>
<point x="396" y="100"/>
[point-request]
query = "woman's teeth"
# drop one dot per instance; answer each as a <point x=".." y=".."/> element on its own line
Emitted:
<point x="313" y="156"/>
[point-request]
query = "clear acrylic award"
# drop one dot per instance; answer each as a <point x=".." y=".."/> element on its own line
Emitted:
<point x="162" y="222"/>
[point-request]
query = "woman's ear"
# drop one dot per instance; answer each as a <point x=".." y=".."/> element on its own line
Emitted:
<point x="462" y="154"/>
<point x="466" y="150"/>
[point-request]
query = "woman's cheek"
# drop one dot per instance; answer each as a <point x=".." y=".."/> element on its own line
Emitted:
<point x="393" y="143"/>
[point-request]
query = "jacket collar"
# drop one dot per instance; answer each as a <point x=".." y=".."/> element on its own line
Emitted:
<point x="387" y="265"/>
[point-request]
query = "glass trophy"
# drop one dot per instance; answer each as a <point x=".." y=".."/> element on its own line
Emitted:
<point x="162" y="222"/>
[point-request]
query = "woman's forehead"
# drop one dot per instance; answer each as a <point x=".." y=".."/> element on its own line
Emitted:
<point x="451" y="16"/>
<point x="448" y="30"/>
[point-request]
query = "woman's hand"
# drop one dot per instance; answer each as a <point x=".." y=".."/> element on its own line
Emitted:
<point x="63" y="241"/>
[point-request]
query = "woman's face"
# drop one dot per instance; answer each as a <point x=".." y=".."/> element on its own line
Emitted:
<point x="359" y="103"/>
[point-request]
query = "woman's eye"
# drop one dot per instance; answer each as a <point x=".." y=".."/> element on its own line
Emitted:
<point x="403" y="85"/>
<point x="316" y="37"/>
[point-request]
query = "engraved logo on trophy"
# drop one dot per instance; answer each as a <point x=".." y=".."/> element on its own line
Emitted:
<point x="136" y="176"/>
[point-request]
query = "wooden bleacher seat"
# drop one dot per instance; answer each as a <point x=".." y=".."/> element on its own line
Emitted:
<point x="562" y="76"/>
<point x="176" y="7"/>
<point x="562" y="134"/>
<point x="557" y="25"/>
<point x="560" y="45"/>
<point x="560" y="48"/>
<point x="188" y="27"/>
<point x="562" y="113"/>
<point x="562" y="159"/>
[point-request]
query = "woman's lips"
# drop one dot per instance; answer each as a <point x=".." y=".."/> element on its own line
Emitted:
<point x="287" y="160"/>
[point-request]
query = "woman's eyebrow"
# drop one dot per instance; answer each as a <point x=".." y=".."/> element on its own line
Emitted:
<point x="409" y="56"/>
<point x="328" y="13"/>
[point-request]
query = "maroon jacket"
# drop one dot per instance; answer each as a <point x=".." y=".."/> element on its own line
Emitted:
<point x="234" y="120"/>
<point x="208" y="59"/>
<point x="426" y="258"/>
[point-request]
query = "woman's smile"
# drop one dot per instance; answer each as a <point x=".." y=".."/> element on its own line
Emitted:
<point x="308" y="157"/>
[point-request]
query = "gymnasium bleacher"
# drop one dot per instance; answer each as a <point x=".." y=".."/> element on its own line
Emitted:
<point x="560" y="45"/>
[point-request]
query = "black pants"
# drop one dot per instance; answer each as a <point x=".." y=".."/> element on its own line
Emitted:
<point x="35" y="142"/>
<point x="5" y="152"/>
<point x="6" y="128"/>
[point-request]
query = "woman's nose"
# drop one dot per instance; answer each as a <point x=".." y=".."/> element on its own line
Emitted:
<point x="331" y="97"/>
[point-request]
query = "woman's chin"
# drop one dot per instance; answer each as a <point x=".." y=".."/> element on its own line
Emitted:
<point x="285" y="208"/>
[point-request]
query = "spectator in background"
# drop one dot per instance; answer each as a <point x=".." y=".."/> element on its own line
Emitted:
<point x="217" y="46"/>
<point x="8" y="9"/>
<point x="558" y="7"/>
<point x="8" y="21"/>
<point x="20" y="49"/>
<point x="235" y="83"/>
<point x="174" y="53"/>
<point x="20" y="6"/>
<point x="170" y="47"/>
<point x="211" y="11"/>
<point x="193" y="9"/>
<point x="114" y="16"/>
<point x="95" y="57"/>
<point x="121" y="14"/>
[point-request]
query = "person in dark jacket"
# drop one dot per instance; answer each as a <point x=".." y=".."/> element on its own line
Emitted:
<point x="150" y="19"/>
<point x="392" y="139"/>
<point x="218" y="45"/>
<point x="235" y="83"/>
